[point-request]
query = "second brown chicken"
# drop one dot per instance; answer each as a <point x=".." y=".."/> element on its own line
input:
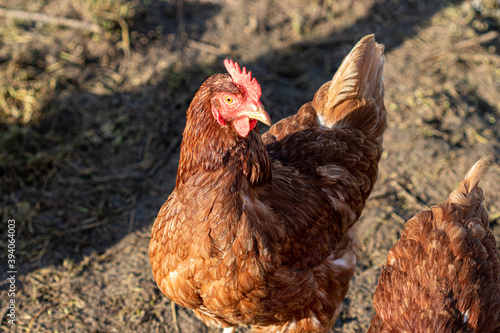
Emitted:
<point x="443" y="274"/>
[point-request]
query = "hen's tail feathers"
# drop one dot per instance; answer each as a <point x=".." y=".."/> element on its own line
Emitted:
<point x="476" y="173"/>
<point x="355" y="95"/>
<point x="465" y="194"/>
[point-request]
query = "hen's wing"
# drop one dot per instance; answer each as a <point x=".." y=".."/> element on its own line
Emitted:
<point x="443" y="274"/>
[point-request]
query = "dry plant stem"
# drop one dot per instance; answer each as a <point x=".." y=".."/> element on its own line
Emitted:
<point x="43" y="18"/>
<point x="125" y="37"/>
<point x="33" y="320"/>
<point x="465" y="45"/>
<point x="205" y="47"/>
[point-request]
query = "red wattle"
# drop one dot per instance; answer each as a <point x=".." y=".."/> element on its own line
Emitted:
<point x="244" y="125"/>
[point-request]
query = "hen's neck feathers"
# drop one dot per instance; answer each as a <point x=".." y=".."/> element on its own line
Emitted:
<point x="207" y="146"/>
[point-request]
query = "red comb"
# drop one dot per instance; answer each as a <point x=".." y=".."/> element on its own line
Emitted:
<point x="244" y="79"/>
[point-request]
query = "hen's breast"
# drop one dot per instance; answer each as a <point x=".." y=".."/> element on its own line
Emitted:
<point x="246" y="257"/>
<point x="207" y="256"/>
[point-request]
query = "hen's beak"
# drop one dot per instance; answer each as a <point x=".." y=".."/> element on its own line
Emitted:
<point x="257" y="112"/>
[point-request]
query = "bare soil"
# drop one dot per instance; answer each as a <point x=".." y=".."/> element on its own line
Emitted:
<point x="91" y="124"/>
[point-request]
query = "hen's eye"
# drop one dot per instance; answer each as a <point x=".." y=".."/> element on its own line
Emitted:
<point x="228" y="99"/>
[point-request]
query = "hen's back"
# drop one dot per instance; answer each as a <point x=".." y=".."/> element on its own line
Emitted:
<point x="443" y="274"/>
<point x="336" y="139"/>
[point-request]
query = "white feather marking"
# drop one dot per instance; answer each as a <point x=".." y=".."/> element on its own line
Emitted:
<point x="255" y="203"/>
<point x="332" y="171"/>
<point x="173" y="275"/>
<point x="184" y="266"/>
<point x="321" y="122"/>
<point x="206" y="312"/>
<point x="348" y="260"/>
<point x="292" y="324"/>
<point x="340" y="262"/>
<point x="466" y="316"/>
<point x="314" y="319"/>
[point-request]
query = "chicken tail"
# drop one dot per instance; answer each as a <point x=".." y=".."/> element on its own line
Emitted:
<point x="476" y="173"/>
<point x="466" y="193"/>
<point x="355" y="95"/>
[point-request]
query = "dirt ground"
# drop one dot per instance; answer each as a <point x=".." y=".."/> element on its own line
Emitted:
<point x="91" y="124"/>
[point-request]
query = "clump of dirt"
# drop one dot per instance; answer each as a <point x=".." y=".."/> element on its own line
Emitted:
<point x="91" y="125"/>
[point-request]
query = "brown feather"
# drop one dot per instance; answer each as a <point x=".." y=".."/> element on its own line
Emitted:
<point x="443" y="274"/>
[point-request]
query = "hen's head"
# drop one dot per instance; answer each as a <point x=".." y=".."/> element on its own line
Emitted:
<point x="238" y="103"/>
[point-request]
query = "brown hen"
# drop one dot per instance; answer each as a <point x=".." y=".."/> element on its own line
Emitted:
<point x="257" y="229"/>
<point x="443" y="274"/>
